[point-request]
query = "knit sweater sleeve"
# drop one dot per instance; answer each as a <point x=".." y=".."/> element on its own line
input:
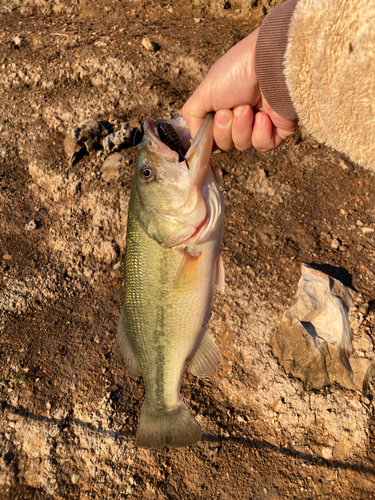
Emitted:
<point x="269" y="57"/>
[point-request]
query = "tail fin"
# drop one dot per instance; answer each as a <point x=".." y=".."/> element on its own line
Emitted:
<point x="174" y="428"/>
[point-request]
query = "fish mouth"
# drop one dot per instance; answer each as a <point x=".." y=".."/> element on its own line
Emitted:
<point x="169" y="138"/>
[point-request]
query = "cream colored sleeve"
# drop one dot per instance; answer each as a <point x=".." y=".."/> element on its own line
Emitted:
<point x="330" y="73"/>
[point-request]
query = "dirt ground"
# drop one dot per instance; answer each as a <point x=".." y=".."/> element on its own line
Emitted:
<point x="68" y="411"/>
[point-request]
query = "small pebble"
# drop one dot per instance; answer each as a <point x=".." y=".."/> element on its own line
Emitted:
<point x="30" y="226"/>
<point x="75" y="478"/>
<point x="327" y="453"/>
<point x="149" y="45"/>
<point x="19" y="41"/>
<point x="367" y="230"/>
<point x="7" y="257"/>
<point x="96" y="339"/>
<point x="344" y="165"/>
<point x="354" y="403"/>
<point x="335" y="244"/>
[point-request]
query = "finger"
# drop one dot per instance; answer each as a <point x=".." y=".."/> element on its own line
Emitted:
<point x="242" y="127"/>
<point x="223" y="130"/>
<point x="193" y="122"/>
<point x="266" y="135"/>
<point x="196" y="108"/>
<point x="262" y="136"/>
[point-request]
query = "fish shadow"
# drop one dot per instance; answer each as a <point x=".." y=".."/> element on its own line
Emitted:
<point x="258" y="444"/>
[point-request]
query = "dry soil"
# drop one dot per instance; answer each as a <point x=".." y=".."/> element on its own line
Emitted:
<point x="68" y="411"/>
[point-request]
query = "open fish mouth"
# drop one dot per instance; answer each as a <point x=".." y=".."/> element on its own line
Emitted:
<point x="169" y="136"/>
<point x="171" y="141"/>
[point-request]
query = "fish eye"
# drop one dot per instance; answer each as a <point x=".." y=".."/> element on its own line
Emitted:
<point x="147" y="174"/>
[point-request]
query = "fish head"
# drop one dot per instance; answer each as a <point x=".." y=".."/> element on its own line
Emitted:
<point x="169" y="183"/>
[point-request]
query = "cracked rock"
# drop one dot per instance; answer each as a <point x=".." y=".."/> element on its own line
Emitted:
<point x="120" y="139"/>
<point x="85" y="138"/>
<point x="314" y="342"/>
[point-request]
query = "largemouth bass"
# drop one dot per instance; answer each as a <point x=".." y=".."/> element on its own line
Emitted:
<point x="172" y="260"/>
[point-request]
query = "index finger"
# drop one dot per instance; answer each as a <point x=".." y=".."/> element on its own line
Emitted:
<point x="194" y="111"/>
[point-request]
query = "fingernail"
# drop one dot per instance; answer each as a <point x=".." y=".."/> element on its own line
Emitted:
<point x="222" y="119"/>
<point x="239" y="111"/>
<point x="259" y="120"/>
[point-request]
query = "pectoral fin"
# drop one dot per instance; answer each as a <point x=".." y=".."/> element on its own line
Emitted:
<point x="189" y="269"/>
<point x="207" y="358"/>
<point x="127" y="351"/>
<point x="220" y="273"/>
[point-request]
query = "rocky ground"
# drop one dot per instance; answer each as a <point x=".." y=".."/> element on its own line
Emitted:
<point x="68" y="411"/>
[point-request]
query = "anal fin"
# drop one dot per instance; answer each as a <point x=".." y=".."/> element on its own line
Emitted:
<point x="207" y="359"/>
<point x="130" y="357"/>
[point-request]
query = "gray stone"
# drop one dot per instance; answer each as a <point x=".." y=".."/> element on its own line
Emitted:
<point x="85" y="138"/>
<point x="314" y="341"/>
<point x="121" y="139"/>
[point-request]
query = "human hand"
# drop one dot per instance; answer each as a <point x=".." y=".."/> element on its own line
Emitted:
<point x="231" y="89"/>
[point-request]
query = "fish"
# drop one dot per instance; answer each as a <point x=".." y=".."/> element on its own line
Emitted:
<point x="171" y="264"/>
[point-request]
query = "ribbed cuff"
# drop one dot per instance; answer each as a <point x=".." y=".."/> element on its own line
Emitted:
<point x="269" y="59"/>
